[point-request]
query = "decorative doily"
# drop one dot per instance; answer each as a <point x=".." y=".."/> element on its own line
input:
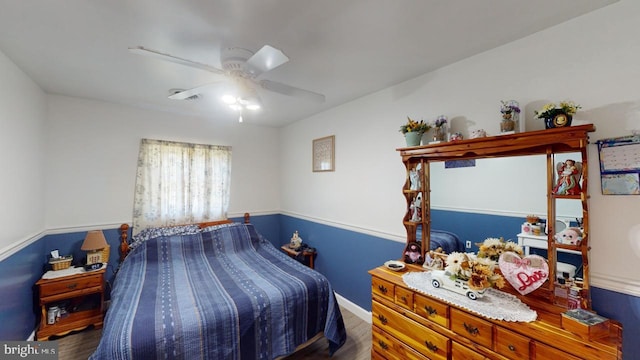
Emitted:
<point x="495" y="304"/>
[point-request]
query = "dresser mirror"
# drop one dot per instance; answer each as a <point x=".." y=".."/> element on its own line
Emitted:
<point x="513" y="176"/>
<point x="503" y="188"/>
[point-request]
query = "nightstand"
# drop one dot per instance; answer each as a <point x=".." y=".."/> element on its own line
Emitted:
<point x="308" y="255"/>
<point x="81" y="294"/>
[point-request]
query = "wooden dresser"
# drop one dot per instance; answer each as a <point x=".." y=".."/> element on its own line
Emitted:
<point x="408" y="324"/>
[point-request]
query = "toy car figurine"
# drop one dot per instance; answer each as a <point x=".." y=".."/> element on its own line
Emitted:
<point x="446" y="280"/>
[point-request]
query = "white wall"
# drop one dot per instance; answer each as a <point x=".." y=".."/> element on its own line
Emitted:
<point x="22" y="118"/>
<point x="92" y="150"/>
<point x="592" y="60"/>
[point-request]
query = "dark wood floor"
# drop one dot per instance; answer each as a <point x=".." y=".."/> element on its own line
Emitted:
<point x="80" y="345"/>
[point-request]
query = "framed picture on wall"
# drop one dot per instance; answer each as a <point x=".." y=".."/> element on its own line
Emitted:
<point x="323" y="154"/>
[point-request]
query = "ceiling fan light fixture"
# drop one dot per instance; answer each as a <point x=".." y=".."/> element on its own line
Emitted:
<point x="239" y="102"/>
<point x="229" y="99"/>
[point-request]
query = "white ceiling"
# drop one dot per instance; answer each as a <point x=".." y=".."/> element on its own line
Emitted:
<point x="343" y="49"/>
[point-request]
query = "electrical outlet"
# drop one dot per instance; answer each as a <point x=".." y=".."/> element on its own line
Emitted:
<point x="468" y="244"/>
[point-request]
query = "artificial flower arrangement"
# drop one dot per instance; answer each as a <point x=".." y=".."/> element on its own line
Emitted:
<point x="508" y="108"/>
<point x="551" y="109"/>
<point x="440" y="121"/>
<point x="492" y="248"/>
<point x="478" y="272"/>
<point x="414" y="126"/>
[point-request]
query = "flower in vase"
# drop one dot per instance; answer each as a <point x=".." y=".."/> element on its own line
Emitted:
<point x="551" y="109"/>
<point x="479" y="273"/>
<point x="508" y="108"/>
<point x="440" y="121"/>
<point x="414" y="126"/>
<point x="492" y="248"/>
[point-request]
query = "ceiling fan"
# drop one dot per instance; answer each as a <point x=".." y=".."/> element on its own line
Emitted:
<point x="243" y="68"/>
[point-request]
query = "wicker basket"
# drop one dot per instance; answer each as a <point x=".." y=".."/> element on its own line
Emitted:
<point x="105" y="254"/>
<point x="61" y="263"/>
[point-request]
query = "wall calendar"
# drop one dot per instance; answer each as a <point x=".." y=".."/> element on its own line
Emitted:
<point x="620" y="165"/>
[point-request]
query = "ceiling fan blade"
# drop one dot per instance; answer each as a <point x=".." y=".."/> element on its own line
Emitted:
<point x="174" y="59"/>
<point x="186" y="94"/>
<point x="291" y="91"/>
<point x="265" y="59"/>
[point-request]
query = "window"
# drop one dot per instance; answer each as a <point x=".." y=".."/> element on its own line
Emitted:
<point x="179" y="183"/>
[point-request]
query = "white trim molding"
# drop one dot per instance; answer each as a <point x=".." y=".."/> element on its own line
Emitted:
<point x="358" y="229"/>
<point x="354" y="309"/>
<point x="617" y="284"/>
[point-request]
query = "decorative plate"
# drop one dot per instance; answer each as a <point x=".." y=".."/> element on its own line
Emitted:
<point x="394" y="265"/>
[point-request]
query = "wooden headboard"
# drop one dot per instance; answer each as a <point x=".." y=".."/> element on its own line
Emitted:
<point x="124" y="232"/>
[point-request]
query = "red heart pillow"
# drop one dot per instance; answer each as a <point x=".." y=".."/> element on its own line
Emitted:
<point x="525" y="274"/>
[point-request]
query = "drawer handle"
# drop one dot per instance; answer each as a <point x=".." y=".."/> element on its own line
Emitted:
<point x="72" y="286"/>
<point x="382" y="289"/>
<point x="382" y="319"/>
<point x="472" y="330"/>
<point x="512" y="348"/>
<point x="431" y="310"/>
<point x="431" y="346"/>
<point x="383" y="345"/>
<point x="404" y="299"/>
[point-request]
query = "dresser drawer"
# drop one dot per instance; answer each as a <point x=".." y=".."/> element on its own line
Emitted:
<point x="404" y="298"/>
<point x="473" y="328"/>
<point x="512" y="345"/>
<point x="547" y="352"/>
<point x="382" y="288"/>
<point x="432" y="310"/>
<point x="461" y="352"/>
<point x="424" y="340"/>
<point x="70" y="284"/>
<point x="391" y="348"/>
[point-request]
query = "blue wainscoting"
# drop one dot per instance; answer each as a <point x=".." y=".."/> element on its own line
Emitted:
<point x="19" y="274"/>
<point x="344" y="257"/>
<point x="476" y="227"/>
<point x="625" y="309"/>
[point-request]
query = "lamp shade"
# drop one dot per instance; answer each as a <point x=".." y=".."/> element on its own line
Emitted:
<point x="94" y="241"/>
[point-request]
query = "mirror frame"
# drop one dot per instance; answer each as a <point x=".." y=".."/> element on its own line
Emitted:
<point x="546" y="142"/>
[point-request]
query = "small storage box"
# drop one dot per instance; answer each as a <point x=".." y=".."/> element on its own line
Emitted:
<point x="61" y="263"/>
<point x="586" y="324"/>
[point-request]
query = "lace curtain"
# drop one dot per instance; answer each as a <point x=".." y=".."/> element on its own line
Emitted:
<point x="180" y="183"/>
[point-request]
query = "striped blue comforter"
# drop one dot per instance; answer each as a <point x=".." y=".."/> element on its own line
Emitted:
<point x="220" y="294"/>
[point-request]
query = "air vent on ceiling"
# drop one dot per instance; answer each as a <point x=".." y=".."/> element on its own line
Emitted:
<point x="192" y="97"/>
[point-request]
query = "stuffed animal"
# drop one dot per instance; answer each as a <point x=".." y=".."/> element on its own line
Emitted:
<point x="412" y="254"/>
<point x="569" y="236"/>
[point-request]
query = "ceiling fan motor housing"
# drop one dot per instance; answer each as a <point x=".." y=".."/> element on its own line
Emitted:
<point x="232" y="60"/>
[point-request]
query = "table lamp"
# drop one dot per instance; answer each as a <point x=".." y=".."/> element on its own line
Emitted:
<point x="93" y="243"/>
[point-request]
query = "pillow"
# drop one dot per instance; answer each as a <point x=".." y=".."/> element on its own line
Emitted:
<point x="215" y="227"/>
<point x="151" y="233"/>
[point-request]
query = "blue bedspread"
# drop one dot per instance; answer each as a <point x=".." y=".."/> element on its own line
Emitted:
<point x="220" y="294"/>
<point x="448" y="241"/>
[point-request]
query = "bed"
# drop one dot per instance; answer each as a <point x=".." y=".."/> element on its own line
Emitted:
<point x="449" y="242"/>
<point x="215" y="292"/>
